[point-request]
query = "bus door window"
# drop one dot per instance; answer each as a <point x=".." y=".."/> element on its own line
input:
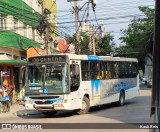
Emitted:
<point x="85" y="70"/>
<point x="75" y="77"/>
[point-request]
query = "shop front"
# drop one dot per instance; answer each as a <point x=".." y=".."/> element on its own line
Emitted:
<point x="11" y="72"/>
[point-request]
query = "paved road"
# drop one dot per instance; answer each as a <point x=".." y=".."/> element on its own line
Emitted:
<point x="136" y="110"/>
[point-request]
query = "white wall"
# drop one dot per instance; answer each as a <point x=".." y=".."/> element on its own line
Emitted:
<point x="34" y="4"/>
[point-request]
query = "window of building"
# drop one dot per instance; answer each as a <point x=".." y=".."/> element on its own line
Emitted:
<point x="3" y="21"/>
<point x="25" y="30"/>
<point x="33" y="34"/>
<point x="15" y="28"/>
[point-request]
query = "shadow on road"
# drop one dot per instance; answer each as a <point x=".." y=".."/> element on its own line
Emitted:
<point x="144" y="87"/>
<point x="136" y="110"/>
<point x="35" y="114"/>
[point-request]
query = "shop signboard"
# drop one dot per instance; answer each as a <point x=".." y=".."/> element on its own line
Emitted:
<point x="5" y="74"/>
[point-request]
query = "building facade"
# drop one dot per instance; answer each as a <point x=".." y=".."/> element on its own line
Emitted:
<point x="50" y="33"/>
<point x="19" y="36"/>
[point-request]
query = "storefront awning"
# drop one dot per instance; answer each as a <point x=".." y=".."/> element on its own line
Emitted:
<point x="11" y="39"/>
<point x="13" y="62"/>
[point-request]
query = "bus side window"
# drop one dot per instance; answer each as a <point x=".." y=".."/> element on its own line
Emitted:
<point x="108" y="74"/>
<point x="121" y="70"/>
<point x="127" y="70"/>
<point x="102" y="70"/>
<point x="116" y="67"/>
<point x="134" y="69"/>
<point x="111" y="70"/>
<point x="94" y="70"/>
<point x="85" y="70"/>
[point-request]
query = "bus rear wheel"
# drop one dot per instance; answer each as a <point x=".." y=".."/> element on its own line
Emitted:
<point x="85" y="106"/>
<point x="121" y="98"/>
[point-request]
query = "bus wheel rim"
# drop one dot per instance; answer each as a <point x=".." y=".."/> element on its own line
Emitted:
<point x="121" y="100"/>
<point x="84" y="105"/>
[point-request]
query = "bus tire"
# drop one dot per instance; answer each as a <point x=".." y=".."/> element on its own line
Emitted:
<point x="121" y="99"/>
<point x="85" y="106"/>
<point x="50" y="114"/>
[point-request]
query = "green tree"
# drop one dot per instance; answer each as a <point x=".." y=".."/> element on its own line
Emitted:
<point x="70" y="39"/>
<point x="138" y="36"/>
<point x="103" y="46"/>
<point x="106" y="45"/>
<point x="84" y="43"/>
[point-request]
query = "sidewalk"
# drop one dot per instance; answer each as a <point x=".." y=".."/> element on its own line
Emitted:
<point x="14" y="108"/>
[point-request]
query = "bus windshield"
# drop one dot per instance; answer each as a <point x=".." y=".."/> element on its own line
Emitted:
<point x="47" y="78"/>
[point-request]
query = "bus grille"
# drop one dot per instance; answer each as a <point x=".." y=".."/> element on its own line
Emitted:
<point x="43" y="97"/>
<point x="41" y="102"/>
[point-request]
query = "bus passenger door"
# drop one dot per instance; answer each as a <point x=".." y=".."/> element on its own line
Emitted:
<point x="74" y="85"/>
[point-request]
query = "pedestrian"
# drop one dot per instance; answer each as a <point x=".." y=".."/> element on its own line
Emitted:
<point x="4" y="91"/>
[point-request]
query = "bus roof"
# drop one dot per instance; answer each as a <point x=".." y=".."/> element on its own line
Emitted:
<point x="92" y="57"/>
<point x="95" y="57"/>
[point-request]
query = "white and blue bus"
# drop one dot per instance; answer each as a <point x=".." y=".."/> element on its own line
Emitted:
<point x="78" y="82"/>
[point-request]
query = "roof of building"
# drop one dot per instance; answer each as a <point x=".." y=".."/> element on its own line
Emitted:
<point x="13" y="61"/>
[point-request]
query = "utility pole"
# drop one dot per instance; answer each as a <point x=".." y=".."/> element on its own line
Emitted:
<point x="77" y="44"/>
<point x="76" y="11"/>
<point x="155" y="105"/>
<point x="46" y="31"/>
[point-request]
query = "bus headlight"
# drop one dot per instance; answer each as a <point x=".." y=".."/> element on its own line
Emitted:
<point x="62" y="101"/>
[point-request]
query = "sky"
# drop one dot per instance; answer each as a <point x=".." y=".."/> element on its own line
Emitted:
<point x="114" y="14"/>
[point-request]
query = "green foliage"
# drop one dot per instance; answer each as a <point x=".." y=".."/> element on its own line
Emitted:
<point x="84" y="43"/>
<point x="103" y="45"/>
<point x="137" y="36"/>
<point x="106" y="45"/>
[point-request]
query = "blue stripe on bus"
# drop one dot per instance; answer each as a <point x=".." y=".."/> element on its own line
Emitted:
<point x="95" y="85"/>
<point x="125" y="88"/>
<point x="93" y="57"/>
<point x="54" y="100"/>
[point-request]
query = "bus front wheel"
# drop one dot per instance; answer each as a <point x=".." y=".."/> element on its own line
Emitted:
<point x="121" y="98"/>
<point x="85" y="106"/>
